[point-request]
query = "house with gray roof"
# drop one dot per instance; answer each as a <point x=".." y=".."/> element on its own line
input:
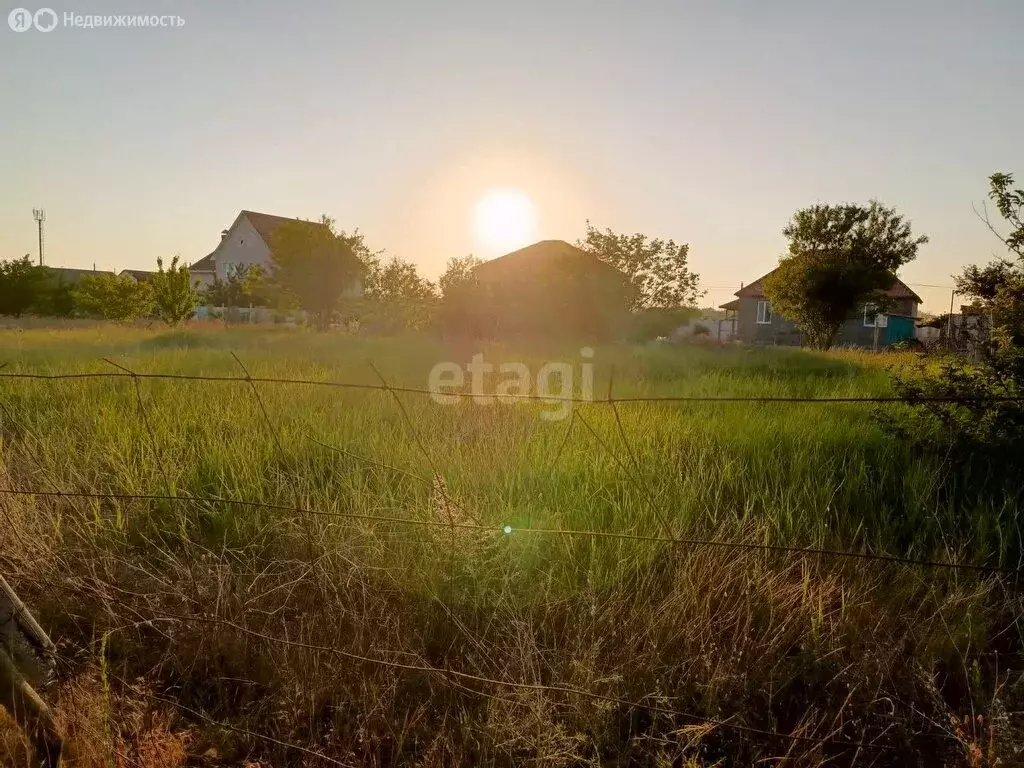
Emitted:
<point x="757" y="323"/>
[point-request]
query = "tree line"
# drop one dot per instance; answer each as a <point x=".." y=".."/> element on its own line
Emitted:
<point x="314" y="267"/>
<point x="839" y="257"/>
<point x="27" y="288"/>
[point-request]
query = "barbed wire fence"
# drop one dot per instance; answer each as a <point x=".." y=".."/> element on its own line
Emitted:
<point x="390" y="658"/>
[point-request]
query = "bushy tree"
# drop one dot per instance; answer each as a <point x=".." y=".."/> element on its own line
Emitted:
<point x="997" y="289"/>
<point x="979" y="434"/>
<point x="58" y="298"/>
<point x="839" y="257"/>
<point x="457" y="275"/>
<point x="314" y="265"/>
<point x="397" y="280"/>
<point x="657" y="270"/>
<point x="118" y="298"/>
<point x="245" y="286"/>
<point x="174" y="296"/>
<point x="23" y="286"/>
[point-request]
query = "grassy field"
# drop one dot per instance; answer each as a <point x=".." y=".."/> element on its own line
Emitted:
<point x="433" y="537"/>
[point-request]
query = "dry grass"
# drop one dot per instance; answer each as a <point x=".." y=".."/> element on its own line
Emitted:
<point x="199" y="634"/>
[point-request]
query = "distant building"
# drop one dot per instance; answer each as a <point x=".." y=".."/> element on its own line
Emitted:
<point x="71" y="275"/>
<point x="245" y="243"/>
<point x="550" y="288"/>
<point x="756" y="323"/>
<point x="139" y="275"/>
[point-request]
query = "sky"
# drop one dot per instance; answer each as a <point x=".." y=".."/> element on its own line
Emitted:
<point x="706" y="122"/>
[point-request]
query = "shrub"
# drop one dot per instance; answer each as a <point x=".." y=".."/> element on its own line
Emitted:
<point x="173" y="294"/>
<point x="118" y="298"/>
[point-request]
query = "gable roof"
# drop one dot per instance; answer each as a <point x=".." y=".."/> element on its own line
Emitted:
<point x="538" y="256"/>
<point x="266" y="223"/>
<point x="205" y="264"/>
<point x="898" y="290"/>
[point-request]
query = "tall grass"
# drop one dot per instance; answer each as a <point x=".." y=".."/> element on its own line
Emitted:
<point x="201" y="600"/>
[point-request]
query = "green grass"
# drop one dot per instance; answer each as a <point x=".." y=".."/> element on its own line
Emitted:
<point x="821" y="475"/>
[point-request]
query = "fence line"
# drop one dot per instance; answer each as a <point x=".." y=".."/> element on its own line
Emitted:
<point x="526" y="397"/>
<point x="450" y="674"/>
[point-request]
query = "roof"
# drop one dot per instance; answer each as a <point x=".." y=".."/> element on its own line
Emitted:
<point x="266" y="223"/>
<point x="729" y="305"/>
<point x="141" y="275"/>
<point x="898" y="290"/>
<point x="205" y="264"/>
<point x="73" y="274"/>
<point x="534" y="258"/>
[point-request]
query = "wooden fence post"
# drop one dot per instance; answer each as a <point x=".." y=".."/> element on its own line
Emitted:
<point x="21" y="639"/>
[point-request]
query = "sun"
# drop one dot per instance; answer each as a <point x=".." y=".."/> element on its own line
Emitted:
<point x="504" y="219"/>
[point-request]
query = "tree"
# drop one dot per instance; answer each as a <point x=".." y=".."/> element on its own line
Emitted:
<point x="998" y="288"/>
<point x="118" y="298"/>
<point x="457" y="275"/>
<point x="245" y="286"/>
<point x="839" y="257"/>
<point x="173" y="294"/>
<point x="969" y="413"/>
<point x="656" y="269"/>
<point x="397" y="280"/>
<point x="23" y="286"/>
<point x="314" y="265"/>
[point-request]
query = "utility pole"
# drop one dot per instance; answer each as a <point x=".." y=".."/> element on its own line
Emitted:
<point x="40" y="216"/>
<point x="949" y="323"/>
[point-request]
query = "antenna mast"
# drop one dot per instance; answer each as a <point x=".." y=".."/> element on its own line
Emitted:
<point x="40" y="216"/>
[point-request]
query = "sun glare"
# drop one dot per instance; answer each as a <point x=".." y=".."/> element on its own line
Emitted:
<point x="504" y="220"/>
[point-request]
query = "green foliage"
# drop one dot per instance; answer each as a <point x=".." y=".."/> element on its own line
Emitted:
<point x="998" y="288"/>
<point x="245" y="286"/>
<point x="397" y="280"/>
<point x="118" y="298"/>
<point x="23" y="286"/>
<point x="979" y="439"/>
<point x="839" y="257"/>
<point x="657" y="270"/>
<point x="1010" y="204"/>
<point x="314" y="266"/>
<point x="458" y="274"/>
<point x="701" y="330"/>
<point x="58" y="300"/>
<point x="173" y="294"/>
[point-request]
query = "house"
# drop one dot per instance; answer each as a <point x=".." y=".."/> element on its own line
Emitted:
<point x="550" y="288"/>
<point x="756" y="323"/>
<point x="203" y="272"/>
<point x="245" y="243"/>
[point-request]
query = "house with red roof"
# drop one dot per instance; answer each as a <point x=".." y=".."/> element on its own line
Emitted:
<point x="757" y="323"/>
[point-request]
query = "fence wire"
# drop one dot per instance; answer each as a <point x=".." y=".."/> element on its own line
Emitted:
<point x="452" y="676"/>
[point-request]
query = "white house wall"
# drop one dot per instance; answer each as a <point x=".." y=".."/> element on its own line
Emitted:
<point x="242" y="245"/>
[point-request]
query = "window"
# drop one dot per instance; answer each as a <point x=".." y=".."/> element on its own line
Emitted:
<point x="873" y="318"/>
<point x="764" y="313"/>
